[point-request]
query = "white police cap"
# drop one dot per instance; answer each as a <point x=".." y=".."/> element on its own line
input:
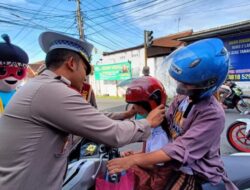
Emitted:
<point x="54" y="40"/>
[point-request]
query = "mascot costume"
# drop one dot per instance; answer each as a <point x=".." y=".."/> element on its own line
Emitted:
<point x="13" y="68"/>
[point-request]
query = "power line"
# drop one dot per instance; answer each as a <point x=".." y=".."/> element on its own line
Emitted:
<point x="31" y="12"/>
<point x="112" y="6"/>
<point x="22" y="9"/>
<point x="162" y="10"/>
<point x="138" y="9"/>
<point x="125" y="26"/>
<point x="55" y="26"/>
<point x="39" y="27"/>
<point x="107" y="38"/>
<point x="157" y="12"/>
<point x="65" y="32"/>
<point x="31" y="23"/>
<point x="212" y="10"/>
<point x="107" y="29"/>
<point x="90" y="39"/>
<point x="110" y="31"/>
<point x="22" y="29"/>
<point x="138" y="6"/>
<point x="131" y="29"/>
<point x="110" y="39"/>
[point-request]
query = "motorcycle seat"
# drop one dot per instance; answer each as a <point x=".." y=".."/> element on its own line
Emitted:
<point x="238" y="170"/>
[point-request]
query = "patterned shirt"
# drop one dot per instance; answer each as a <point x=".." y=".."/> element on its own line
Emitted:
<point x="176" y="129"/>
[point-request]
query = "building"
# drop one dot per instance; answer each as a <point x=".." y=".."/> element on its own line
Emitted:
<point x="236" y="38"/>
<point x="35" y="68"/>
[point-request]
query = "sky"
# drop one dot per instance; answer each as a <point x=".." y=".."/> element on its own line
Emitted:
<point x="113" y="24"/>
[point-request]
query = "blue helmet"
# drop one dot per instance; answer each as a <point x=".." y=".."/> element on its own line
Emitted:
<point x="203" y="64"/>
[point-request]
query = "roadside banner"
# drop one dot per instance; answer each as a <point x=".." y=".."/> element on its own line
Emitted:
<point x="116" y="71"/>
<point x="239" y="50"/>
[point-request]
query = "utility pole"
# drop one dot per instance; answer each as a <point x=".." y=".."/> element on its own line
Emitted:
<point x="145" y="49"/>
<point x="80" y="20"/>
<point x="179" y="19"/>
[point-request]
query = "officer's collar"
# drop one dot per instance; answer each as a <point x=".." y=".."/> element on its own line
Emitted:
<point x="55" y="76"/>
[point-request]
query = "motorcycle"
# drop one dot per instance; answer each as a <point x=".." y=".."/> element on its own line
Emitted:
<point x="238" y="135"/>
<point x="83" y="170"/>
<point x="81" y="174"/>
<point x="232" y="97"/>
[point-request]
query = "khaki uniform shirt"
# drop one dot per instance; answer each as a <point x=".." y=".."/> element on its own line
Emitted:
<point x="35" y="128"/>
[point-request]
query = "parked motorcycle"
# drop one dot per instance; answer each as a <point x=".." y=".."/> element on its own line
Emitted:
<point x="238" y="135"/>
<point x="82" y="173"/>
<point x="232" y="97"/>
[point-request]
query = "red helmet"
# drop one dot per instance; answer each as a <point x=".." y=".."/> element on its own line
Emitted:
<point x="146" y="91"/>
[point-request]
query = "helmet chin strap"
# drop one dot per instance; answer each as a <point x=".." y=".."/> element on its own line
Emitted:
<point x="194" y="94"/>
<point x="184" y="91"/>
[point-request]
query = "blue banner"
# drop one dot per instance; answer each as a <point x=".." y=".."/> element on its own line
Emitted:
<point x="239" y="50"/>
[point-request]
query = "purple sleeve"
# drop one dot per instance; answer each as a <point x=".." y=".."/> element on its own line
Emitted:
<point x="203" y="135"/>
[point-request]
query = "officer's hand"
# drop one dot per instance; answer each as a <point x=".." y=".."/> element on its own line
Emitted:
<point x="155" y="117"/>
<point x="130" y="113"/>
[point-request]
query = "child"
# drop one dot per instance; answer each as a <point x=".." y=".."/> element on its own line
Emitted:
<point x="146" y="93"/>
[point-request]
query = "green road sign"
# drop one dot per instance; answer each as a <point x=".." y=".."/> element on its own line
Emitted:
<point x="117" y="71"/>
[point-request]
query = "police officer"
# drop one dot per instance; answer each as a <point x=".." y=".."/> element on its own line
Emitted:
<point x="35" y="127"/>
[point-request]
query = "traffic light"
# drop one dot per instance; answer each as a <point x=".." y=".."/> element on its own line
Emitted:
<point x="149" y="38"/>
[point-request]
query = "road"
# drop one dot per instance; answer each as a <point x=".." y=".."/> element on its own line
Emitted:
<point x="116" y="105"/>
